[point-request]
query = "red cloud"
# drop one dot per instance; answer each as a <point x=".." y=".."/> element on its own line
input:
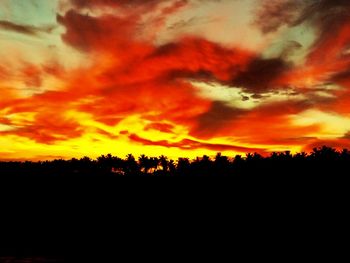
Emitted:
<point x="131" y="75"/>
<point x="32" y="75"/>
<point x="47" y="127"/>
<point x="147" y="78"/>
<point x="163" y="127"/>
<point x="91" y="33"/>
<point x="264" y="125"/>
<point x="187" y="144"/>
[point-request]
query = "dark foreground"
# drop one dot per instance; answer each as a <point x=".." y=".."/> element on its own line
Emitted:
<point x="51" y="209"/>
<point x="320" y="161"/>
<point x="23" y="259"/>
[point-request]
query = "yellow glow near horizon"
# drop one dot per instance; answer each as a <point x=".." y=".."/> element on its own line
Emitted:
<point x="94" y="144"/>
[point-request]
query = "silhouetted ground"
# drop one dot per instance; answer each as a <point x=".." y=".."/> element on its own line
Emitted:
<point x="30" y="260"/>
<point x="319" y="162"/>
<point x="55" y="207"/>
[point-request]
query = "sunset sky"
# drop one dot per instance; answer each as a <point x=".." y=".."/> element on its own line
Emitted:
<point x="173" y="77"/>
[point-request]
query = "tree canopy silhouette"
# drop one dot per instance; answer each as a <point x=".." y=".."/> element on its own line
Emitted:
<point x="320" y="160"/>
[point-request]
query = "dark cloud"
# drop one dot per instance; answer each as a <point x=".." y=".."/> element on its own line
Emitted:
<point x="183" y="23"/>
<point x="89" y="3"/>
<point x="290" y="48"/>
<point x="24" y="29"/>
<point x="324" y="11"/>
<point x="257" y="96"/>
<point x="190" y="22"/>
<point x="260" y="74"/>
<point x="90" y="33"/>
<point x="215" y="119"/>
<point x="329" y="16"/>
<point x="344" y="75"/>
<point x="347" y="136"/>
<point x="111" y="31"/>
<point x="326" y="14"/>
<point x="113" y="3"/>
<point x="272" y="14"/>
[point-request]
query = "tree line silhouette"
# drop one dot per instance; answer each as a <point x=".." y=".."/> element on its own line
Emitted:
<point x="320" y="160"/>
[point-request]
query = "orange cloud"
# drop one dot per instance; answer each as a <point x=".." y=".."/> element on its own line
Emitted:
<point x="188" y="144"/>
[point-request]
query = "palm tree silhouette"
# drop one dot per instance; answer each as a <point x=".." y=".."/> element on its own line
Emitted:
<point x="320" y="160"/>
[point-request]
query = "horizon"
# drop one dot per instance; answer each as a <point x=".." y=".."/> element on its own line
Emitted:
<point x="266" y="155"/>
<point x="179" y="78"/>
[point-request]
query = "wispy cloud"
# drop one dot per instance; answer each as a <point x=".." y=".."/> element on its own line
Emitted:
<point x="25" y="29"/>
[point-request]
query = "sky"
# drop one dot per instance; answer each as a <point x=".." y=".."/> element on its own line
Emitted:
<point x="180" y="78"/>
